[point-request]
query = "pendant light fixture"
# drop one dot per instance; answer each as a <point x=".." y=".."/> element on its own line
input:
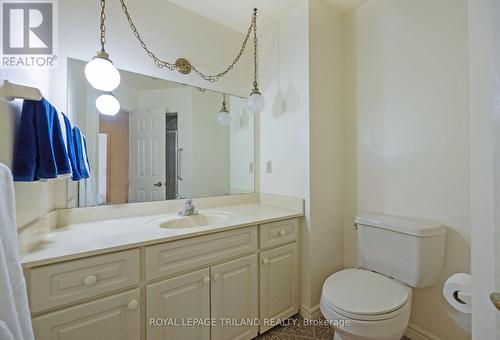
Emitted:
<point x="100" y="71"/>
<point x="107" y="104"/>
<point x="224" y="117"/>
<point x="255" y="101"/>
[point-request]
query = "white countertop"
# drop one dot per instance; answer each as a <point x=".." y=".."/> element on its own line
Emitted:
<point x="86" y="239"/>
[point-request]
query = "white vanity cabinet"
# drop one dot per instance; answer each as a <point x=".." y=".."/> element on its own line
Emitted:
<point x="208" y="287"/>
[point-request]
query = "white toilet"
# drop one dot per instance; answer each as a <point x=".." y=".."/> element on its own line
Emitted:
<point x="373" y="302"/>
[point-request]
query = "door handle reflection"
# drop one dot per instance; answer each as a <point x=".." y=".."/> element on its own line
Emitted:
<point x="179" y="167"/>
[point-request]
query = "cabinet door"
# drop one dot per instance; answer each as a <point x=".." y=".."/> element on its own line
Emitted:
<point x="278" y="284"/>
<point x="234" y="299"/>
<point x="112" y="318"/>
<point x="176" y="303"/>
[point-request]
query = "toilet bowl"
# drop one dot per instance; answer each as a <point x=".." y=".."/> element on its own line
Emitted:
<point x="363" y="305"/>
<point x="398" y="253"/>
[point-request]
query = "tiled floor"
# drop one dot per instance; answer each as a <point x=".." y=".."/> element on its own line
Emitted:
<point x="296" y="329"/>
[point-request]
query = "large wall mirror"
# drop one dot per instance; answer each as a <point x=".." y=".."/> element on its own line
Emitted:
<point x="167" y="141"/>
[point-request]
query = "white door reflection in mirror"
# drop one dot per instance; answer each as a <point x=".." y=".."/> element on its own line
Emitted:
<point x="147" y="155"/>
<point x="103" y="168"/>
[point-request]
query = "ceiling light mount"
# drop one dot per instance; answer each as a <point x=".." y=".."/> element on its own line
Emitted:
<point x="183" y="66"/>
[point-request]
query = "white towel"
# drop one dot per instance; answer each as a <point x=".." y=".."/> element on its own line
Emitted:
<point x="5" y="333"/>
<point x="14" y="308"/>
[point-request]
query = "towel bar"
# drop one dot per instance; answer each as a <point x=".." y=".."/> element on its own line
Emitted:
<point x="11" y="91"/>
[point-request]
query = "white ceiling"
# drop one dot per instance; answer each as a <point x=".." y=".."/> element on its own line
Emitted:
<point x="236" y="14"/>
<point x="346" y="6"/>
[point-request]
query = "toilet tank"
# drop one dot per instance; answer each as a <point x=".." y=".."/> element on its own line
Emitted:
<point x="407" y="249"/>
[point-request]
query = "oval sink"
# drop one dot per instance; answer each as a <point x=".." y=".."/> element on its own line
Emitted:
<point x="194" y="221"/>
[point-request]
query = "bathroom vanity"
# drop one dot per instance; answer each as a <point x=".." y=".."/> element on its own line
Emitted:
<point x="230" y="272"/>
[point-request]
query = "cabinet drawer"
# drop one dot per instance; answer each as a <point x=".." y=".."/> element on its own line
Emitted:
<point x="59" y="284"/>
<point x="115" y="317"/>
<point x="277" y="233"/>
<point x="183" y="255"/>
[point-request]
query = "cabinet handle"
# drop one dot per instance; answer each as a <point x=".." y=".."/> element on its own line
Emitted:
<point x="282" y="232"/>
<point x="265" y="261"/>
<point x="206" y="279"/>
<point x="90" y="280"/>
<point x="216" y="277"/>
<point x="133" y="304"/>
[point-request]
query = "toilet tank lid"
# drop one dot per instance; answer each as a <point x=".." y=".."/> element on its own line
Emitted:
<point x="402" y="224"/>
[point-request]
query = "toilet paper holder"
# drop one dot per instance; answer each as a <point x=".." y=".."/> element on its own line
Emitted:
<point x="457" y="290"/>
<point x="463" y="297"/>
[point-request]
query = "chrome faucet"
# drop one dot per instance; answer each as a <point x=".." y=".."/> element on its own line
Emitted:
<point x="189" y="209"/>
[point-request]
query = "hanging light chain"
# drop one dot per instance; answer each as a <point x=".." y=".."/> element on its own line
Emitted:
<point x="172" y="66"/>
<point x="255" y="55"/>
<point x="102" y="25"/>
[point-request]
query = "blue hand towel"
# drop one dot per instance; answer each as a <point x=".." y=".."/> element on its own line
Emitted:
<point x="76" y="176"/>
<point x="80" y="153"/>
<point x="40" y="149"/>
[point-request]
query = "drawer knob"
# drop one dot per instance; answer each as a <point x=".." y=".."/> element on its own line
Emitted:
<point x="90" y="280"/>
<point x="133" y="304"/>
<point x="216" y="277"/>
<point x="265" y="261"/>
<point x="282" y="232"/>
<point x="206" y="279"/>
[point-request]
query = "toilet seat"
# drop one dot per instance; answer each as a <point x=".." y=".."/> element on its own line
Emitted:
<point x="360" y="294"/>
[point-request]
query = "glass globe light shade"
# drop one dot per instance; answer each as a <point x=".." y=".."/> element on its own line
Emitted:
<point x="224" y="118"/>
<point x="256" y="102"/>
<point x="107" y="104"/>
<point x="102" y="74"/>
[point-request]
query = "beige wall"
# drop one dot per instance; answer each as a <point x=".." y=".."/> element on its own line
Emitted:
<point x="407" y="98"/>
<point x="301" y="132"/>
<point x="241" y="152"/>
<point x="210" y="145"/>
<point x="283" y="126"/>
<point x="326" y="144"/>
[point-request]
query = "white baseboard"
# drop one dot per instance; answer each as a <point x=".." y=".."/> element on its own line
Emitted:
<point x="310" y="313"/>
<point x="416" y="333"/>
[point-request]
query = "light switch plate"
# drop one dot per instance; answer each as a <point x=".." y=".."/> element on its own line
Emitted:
<point x="269" y="167"/>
